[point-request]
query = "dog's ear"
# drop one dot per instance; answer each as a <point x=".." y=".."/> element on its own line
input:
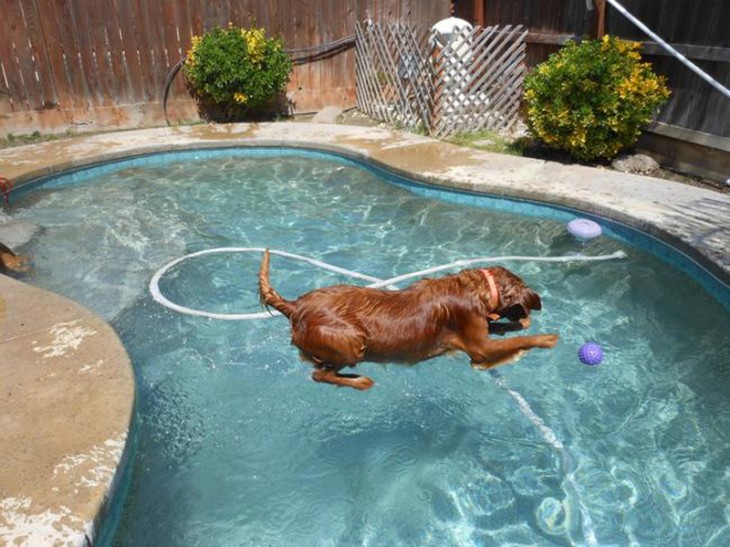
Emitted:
<point x="531" y="300"/>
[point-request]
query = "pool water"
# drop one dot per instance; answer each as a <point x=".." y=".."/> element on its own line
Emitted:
<point x="237" y="446"/>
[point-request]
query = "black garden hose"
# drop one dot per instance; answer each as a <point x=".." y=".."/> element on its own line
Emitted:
<point x="322" y="51"/>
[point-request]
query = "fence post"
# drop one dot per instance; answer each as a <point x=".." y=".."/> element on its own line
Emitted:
<point x="601" y="24"/>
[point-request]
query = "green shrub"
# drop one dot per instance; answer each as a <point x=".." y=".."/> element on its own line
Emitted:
<point x="236" y="73"/>
<point x="591" y="99"/>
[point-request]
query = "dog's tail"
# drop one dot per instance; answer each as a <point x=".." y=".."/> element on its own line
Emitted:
<point x="267" y="294"/>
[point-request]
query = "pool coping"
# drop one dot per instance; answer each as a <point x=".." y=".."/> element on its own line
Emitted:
<point x="59" y="474"/>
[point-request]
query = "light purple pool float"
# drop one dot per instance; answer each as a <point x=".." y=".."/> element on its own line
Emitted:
<point x="584" y="229"/>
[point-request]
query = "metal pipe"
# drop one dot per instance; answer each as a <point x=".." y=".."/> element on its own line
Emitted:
<point x="686" y="62"/>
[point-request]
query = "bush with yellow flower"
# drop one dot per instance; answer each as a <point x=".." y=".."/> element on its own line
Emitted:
<point x="591" y="99"/>
<point x="236" y="73"/>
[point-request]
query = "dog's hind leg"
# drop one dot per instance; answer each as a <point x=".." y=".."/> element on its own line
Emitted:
<point x="331" y="348"/>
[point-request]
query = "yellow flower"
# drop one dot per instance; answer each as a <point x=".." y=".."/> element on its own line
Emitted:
<point x="194" y="43"/>
<point x="578" y="138"/>
<point x="255" y="40"/>
<point x="240" y="98"/>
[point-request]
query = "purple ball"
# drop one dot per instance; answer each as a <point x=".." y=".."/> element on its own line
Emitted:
<point x="590" y="353"/>
<point x="582" y="228"/>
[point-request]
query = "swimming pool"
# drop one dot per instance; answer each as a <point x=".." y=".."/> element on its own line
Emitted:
<point x="237" y="446"/>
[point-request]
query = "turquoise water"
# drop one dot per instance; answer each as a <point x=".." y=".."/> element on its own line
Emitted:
<point x="237" y="446"/>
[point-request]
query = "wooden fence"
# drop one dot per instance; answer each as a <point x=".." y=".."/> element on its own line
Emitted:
<point x="416" y="78"/>
<point x="102" y="63"/>
<point x="699" y="30"/>
<point x="66" y="63"/>
<point x="692" y="130"/>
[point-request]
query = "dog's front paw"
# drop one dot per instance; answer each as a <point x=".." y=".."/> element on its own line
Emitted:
<point x="362" y="383"/>
<point x="342" y="380"/>
<point x="548" y="340"/>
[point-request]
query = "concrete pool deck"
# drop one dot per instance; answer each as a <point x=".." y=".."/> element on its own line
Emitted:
<point x="67" y="397"/>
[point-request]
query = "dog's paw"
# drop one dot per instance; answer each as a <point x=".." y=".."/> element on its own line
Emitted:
<point x="342" y="380"/>
<point x="362" y="383"/>
<point x="548" y="340"/>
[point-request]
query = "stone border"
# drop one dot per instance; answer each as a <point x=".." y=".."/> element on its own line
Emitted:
<point x="68" y="389"/>
<point x="66" y="408"/>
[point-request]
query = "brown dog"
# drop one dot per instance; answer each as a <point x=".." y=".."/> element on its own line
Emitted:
<point x="342" y="325"/>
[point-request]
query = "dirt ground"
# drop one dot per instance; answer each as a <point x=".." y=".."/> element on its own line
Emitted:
<point x="700" y="182"/>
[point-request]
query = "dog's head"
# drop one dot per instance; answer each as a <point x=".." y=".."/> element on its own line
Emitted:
<point x="516" y="299"/>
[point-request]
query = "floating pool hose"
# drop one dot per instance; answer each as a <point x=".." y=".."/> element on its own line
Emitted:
<point x="375" y="282"/>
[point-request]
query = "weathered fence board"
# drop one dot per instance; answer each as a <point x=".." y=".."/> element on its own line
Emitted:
<point x="693" y="104"/>
<point x="15" y="88"/>
<point x="699" y="30"/>
<point x="46" y="89"/>
<point x="696" y="113"/>
<point x="472" y="82"/>
<point x="63" y="61"/>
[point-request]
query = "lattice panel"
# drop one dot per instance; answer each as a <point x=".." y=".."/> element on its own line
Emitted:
<point x="408" y="78"/>
<point x="393" y="74"/>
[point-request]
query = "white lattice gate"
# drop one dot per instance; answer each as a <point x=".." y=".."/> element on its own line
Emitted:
<point x="408" y="78"/>
<point x="393" y="74"/>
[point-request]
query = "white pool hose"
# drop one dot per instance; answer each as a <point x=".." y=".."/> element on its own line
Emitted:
<point x="375" y="282"/>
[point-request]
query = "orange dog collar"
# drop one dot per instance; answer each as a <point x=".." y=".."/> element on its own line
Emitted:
<point x="493" y="292"/>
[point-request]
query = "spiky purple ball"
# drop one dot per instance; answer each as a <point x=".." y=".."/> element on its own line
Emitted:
<point x="590" y="353"/>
